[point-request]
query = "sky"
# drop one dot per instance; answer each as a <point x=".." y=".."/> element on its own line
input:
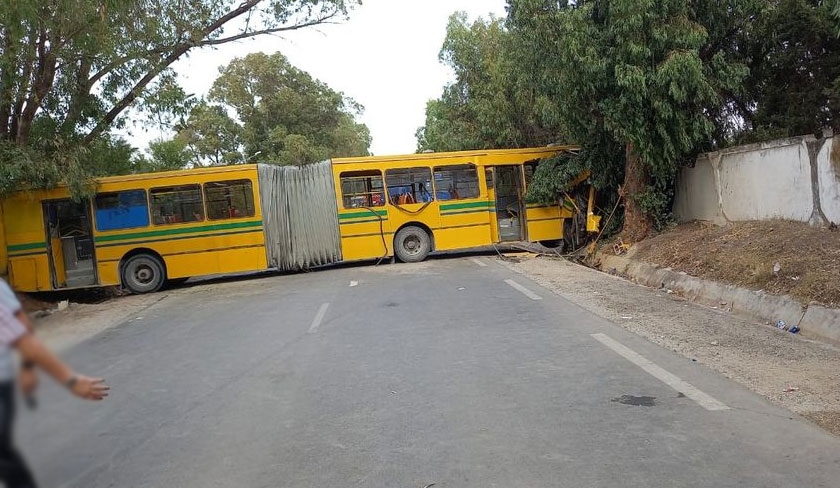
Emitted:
<point x="385" y="57"/>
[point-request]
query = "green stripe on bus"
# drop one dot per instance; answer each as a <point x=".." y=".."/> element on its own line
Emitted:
<point x="362" y="221"/>
<point x="26" y="247"/>
<point x="458" y="206"/>
<point x="173" y="232"/>
<point x="366" y="213"/>
<point x="179" y="238"/>
<point x="461" y="212"/>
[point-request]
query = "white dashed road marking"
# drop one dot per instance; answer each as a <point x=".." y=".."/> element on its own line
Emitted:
<point x="319" y="317"/>
<point x="479" y="262"/>
<point x="704" y="400"/>
<point x="528" y="293"/>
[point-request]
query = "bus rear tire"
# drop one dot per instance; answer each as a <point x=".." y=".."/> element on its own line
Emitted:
<point x="143" y="273"/>
<point x="412" y="244"/>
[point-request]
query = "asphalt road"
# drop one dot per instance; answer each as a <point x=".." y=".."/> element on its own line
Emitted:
<point x="456" y="372"/>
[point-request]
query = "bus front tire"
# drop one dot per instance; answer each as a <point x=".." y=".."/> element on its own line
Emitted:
<point x="412" y="244"/>
<point x="143" y="274"/>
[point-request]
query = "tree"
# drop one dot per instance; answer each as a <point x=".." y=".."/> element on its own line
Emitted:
<point x="794" y="83"/>
<point x="488" y="105"/>
<point x="108" y="156"/>
<point x="79" y="64"/>
<point x="213" y="137"/>
<point x="646" y="76"/>
<point x="167" y="155"/>
<point x="287" y="117"/>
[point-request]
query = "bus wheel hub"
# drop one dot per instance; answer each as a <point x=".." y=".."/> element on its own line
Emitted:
<point x="144" y="275"/>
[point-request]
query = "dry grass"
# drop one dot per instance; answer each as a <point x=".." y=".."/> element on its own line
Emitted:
<point x="744" y="254"/>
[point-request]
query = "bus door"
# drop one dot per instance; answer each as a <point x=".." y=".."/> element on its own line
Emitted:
<point x="70" y="243"/>
<point x="510" y="203"/>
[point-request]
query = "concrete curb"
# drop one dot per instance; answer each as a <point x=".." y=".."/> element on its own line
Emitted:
<point x="821" y="321"/>
<point x="814" y="320"/>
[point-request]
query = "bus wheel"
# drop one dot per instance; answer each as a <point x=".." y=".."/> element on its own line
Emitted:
<point x="553" y="244"/>
<point x="412" y="244"/>
<point x="143" y="274"/>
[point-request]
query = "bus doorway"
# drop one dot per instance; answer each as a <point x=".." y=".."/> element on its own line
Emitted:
<point x="70" y="243"/>
<point x="510" y="203"/>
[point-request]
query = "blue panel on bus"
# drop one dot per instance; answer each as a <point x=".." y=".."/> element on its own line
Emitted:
<point x="122" y="218"/>
<point x="123" y="210"/>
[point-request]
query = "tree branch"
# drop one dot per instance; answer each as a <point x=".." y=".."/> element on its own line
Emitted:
<point x="247" y="35"/>
<point x="179" y="51"/>
<point x="42" y="82"/>
<point x="79" y="96"/>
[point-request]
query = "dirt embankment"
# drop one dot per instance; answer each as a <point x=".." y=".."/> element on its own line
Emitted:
<point x="746" y="255"/>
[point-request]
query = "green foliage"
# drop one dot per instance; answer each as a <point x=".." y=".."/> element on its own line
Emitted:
<point x="17" y="164"/>
<point x="656" y="202"/>
<point x="553" y="177"/>
<point x="212" y="135"/>
<point x="794" y="83"/>
<point x="644" y="85"/>
<point x="69" y="69"/>
<point x="488" y="105"/>
<point x="836" y="12"/>
<point x="286" y="116"/>
<point x="167" y="155"/>
<point x="641" y="78"/>
<point x="109" y="156"/>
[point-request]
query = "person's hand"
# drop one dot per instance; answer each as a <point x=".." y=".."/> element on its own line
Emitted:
<point x="28" y="381"/>
<point x="88" y="388"/>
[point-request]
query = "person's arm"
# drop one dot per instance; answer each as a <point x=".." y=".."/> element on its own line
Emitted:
<point x="27" y="376"/>
<point x="14" y="334"/>
<point x="32" y="349"/>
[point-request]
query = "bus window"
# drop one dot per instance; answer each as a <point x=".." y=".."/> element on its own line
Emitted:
<point x="456" y="182"/>
<point x="409" y="185"/>
<point x="362" y="189"/>
<point x="121" y="210"/>
<point x="530" y="169"/>
<point x="229" y="199"/>
<point x="177" y="204"/>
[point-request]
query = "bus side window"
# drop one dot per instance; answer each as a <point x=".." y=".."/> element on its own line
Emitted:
<point x="229" y="199"/>
<point x="121" y="210"/>
<point x="361" y="189"/>
<point x="409" y="185"/>
<point x="456" y="182"/>
<point x="177" y="204"/>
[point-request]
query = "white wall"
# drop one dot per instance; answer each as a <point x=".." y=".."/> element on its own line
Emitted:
<point x="828" y="164"/>
<point x="771" y="180"/>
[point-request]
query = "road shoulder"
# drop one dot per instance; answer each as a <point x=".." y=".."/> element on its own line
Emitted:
<point x="788" y="370"/>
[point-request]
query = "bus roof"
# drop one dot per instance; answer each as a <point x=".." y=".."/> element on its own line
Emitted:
<point x="455" y="154"/>
<point x="170" y="174"/>
<point x="536" y="151"/>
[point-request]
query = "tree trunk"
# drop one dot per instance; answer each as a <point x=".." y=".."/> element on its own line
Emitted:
<point x="637" y="224"/>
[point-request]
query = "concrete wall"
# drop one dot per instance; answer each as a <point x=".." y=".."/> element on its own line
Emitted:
<point x="793" y="179"/>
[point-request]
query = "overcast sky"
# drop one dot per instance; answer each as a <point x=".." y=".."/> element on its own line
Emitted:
<point x="385" y="57"/>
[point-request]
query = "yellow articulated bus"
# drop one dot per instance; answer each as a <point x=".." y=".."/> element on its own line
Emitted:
<point x="142" y="231"/>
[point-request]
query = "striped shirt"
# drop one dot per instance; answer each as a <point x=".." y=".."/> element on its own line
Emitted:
<point x="10" y="328"/>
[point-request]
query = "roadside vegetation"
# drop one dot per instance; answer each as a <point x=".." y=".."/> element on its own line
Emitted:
<point x="72" y="72"/>
<point x="643" y="87"/>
